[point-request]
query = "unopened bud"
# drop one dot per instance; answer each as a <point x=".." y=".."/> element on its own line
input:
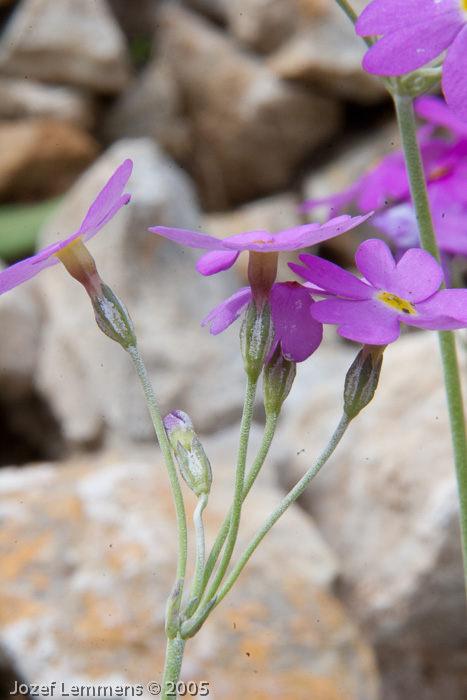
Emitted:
<point x="278" y="377"/>
<point x="192" y="460"/>
<point x="362" y="379"/>
<point x="256" y="339"/>
<point x="113" y="318"/>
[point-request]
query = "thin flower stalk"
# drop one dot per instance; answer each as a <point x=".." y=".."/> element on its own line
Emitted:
<point x="406" y="119"/>
<point x="290" y="498"/>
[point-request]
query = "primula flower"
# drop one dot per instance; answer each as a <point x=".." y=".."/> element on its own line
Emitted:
<point x="414" y="33"/>
<point x="371" y="310"/>
<point x="71" y="251"/>
<point x="297" y="332"/>
<point x="224" y="252"/>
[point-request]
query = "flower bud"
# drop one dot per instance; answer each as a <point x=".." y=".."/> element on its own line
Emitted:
<point x="278" y="377"/>
<point x="113" y="318"/>
<point x="256" y="339"/>
<point x="362" y="379"/>
<point x="192" y="460"/>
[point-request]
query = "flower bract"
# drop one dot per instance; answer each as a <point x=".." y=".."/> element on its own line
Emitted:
<point x="107" y="203"/>
<point x="371" y="310"/>
<point x="415" y="32"/>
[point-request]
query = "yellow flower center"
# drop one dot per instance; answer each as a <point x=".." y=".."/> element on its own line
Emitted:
<point x="397" y="303"/>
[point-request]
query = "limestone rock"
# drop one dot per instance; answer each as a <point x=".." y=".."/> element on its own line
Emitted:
<point x="28" y="98"/>
<point x="40" y="158"/>
<point x="263" y="24"/>
<point x="250" y="130"/>
<point x="387" y="504"/>
<point x="89" y="380"/>
<point x="88" y="559"/>
<point x="152" y="106"/>
<point x="310" y="56"/>
<point x="77" y="42"/>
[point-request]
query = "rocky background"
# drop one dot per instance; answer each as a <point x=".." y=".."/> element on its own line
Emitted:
<point x="233" y="112"/>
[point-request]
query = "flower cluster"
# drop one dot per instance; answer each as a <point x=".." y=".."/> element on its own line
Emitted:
<point x="386" y="188"/>
<point x="414" y="33"/>
<point x="295" y="329"/>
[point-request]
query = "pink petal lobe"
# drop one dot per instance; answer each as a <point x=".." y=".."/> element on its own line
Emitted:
<point x="192" y="239"/>
<point x="363" y="321"/>
<point x="383" y="16"/>
<point x="454" y="80"/>
<point x="107" y="203"/>
<point x="406" y="49"/>
<point x="331" y="278"/>
<point x="298" y="332"/>
<point x="216" y="261"/>
<point x="228" y="311"/>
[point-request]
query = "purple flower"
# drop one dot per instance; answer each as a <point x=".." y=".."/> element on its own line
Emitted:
<point x="295" y="329"/>
<point x="414" y="33"/>
<point x="371" y="310"/>
<point x="107" y="203"/>
<point x="224" y="252"/>
<point x="386" y="188"/>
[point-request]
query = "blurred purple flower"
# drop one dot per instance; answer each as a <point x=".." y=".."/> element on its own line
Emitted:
<point x="107" y="203"/>
<point x="371" y="310"/>
<point x="295" y="329"/>
<point x="224" y="252"/>
<point x="414" y="33"/>
<point x="386" y="188"/>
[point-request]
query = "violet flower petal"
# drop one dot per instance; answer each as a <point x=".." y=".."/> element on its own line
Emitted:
<point x="416" y="276"/>
<point x="192" y="239"/>
<point x="297" y="331"/>
<point x="384" y="16"/>
<point x="223" y="315"/>
<point x="216" y="261"/>
<point x="331" y="278"/>
<point x="109" y="200"/>
<point x="435" y="110"/>
<point x="454" y="81"/>
<point x="366" y="321"/>
<point x="407" y="49"/>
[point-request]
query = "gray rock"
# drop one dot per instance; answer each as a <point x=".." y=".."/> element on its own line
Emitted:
<point x="77" y="42"/>
<point x="88" y="560"/>
<point x="41" y="158"/>
<point x="28" y="98"/>
<point x="151" y="106"/>
<point x="310" y="56"/>
<point x="88" y="379"/>
<point x="250" y="129"/>
<point x="387" y="504"/>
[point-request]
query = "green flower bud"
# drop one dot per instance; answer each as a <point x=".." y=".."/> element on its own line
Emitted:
<point x="362" y="379"/>
<point x="278" y="377"/>
<point x="113" y="318"/>
<point x="192" y="460"/>
<point x="256" y="339"/>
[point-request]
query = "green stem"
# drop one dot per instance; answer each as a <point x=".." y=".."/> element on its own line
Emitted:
<point x="196" y="586"/>
<point x="232" y="522"/>
<point x="167" y="454"/>
<point x="285" y="503"/>
<point x="269" y="431"/>
<point x="418" y="189"/>
<point x="172" y="667"/>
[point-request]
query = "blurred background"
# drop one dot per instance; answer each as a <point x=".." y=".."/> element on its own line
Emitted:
<point x="234" y="112"/>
